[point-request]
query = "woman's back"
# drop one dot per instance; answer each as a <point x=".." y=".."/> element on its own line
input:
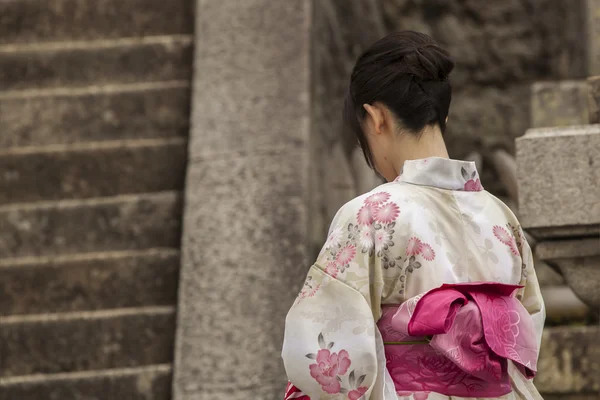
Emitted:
<point x="434" y="225"/>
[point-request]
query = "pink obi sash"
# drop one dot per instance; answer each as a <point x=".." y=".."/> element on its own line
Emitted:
<point x="465" y="335"/>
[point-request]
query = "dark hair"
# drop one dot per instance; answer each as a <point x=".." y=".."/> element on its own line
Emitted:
<point x="408" y="72"/>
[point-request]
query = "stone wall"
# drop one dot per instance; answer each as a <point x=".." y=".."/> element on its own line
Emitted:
<point x="500" y="48"/>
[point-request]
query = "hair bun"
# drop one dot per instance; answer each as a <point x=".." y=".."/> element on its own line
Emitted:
<point x="431" y="63"/>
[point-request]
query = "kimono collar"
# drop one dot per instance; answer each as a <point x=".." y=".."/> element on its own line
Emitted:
<point x="441" y="173"/>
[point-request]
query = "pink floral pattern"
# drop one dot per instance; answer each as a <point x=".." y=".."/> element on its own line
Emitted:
<point x="365" y="215"/>
<point x="386" y="213"/>
<point x="381" y="239"/>
<point x="367" y="241"/>
<point x="417" y="247"/>
<point x="327" y="369"/>
<point x="377" y="198"/>
<point x="330" y="367"/>
<point x="473" y="185"/>
<point x="346" y="255"/>
<point x="414" y="247"/>
<point x="506" y="238"/>
<point x="309" y="289"/>
<point x="427" y="252"/>
<point x="372" y="234"/>
<point x="357" y="393"/>
<point x="505" y="324"/>
<point x="332" y="269"/>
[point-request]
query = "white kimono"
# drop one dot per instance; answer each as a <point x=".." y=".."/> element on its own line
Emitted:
<point x="433" y="225"/>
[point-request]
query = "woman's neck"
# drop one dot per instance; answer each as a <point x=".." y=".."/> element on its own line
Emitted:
<point x="429" y="144"/>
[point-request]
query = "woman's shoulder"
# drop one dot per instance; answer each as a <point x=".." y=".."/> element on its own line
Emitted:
<point x="382" y="203"/>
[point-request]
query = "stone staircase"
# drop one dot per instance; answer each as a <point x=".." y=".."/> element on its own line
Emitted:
<point x="94" y="108"/>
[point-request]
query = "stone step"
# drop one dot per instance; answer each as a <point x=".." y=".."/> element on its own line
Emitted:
<point x="24" y="21"/>
<point x="86" y="282"/>
<point x="81" y="341"/>
<point x="96" y="169"/>
<point x="569" y="361"/>
<point x="113" y="112"/>
<point x="140" y="383"/>
<point x="130" y="60"/>
<point x="80" y="226"/>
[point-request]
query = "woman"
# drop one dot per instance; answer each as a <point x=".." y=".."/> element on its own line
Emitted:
<point x="351" y="334"/>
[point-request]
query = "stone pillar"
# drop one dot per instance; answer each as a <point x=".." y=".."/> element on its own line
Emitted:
<point x="559" y="192"/>
<point x="559" y="104"/>
<point x="245" y="219"/>
<point x="558" y="173"/>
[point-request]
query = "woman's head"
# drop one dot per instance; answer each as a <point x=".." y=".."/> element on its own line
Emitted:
<point x="399" y="93"/>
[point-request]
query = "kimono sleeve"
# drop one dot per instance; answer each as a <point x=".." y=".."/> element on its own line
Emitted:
<point x="332" y="346"/>
<point x="330" y="340"/>
<point x="531" y="296"/>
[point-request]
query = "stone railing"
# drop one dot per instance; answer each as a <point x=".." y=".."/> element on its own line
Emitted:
<point x="559" y="205"/>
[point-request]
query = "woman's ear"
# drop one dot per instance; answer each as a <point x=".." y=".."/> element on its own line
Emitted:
<point x="376" y="115"/>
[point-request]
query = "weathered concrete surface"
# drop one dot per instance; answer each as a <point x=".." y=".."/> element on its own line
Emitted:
<point x="579" y="263"/>
<point x="89" y="282"/>
<point x="560" y="249"/>
<point x="594" y="99"/>
<point x="23" y="21"/>
<point x="117" y="112"/>
<point x="161" y="58"/>
<point x="583" y="276"/>
<point x="86" y="340"/>
<point x="92" y="170"/>
<point x="142" y="383"/>
<point x="560" y="158"/>
<point x="570" y="361"/>
<point x="110" y="224"/>
<point x="592" y="12"/>
<point x="563" y="306"/>
<point x="563" y="103"/>
<point x="245" y="223"/>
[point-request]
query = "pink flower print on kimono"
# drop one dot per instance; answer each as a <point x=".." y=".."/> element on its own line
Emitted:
<point x="506" y="238"/>
<point x="365" y="215"/>
<point x="332" y="269"/>
<point x="330" y="367"/>
<point x="377" y="198"/>
<point x="472" y="184"/>
<point x="309" y="289"/>
<point x="345" y="256"/>
<point x="414" y="248"/>
<point x="357" y="393"/>
<point x="386" y="213"/>
<point x="327" y="369"/>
